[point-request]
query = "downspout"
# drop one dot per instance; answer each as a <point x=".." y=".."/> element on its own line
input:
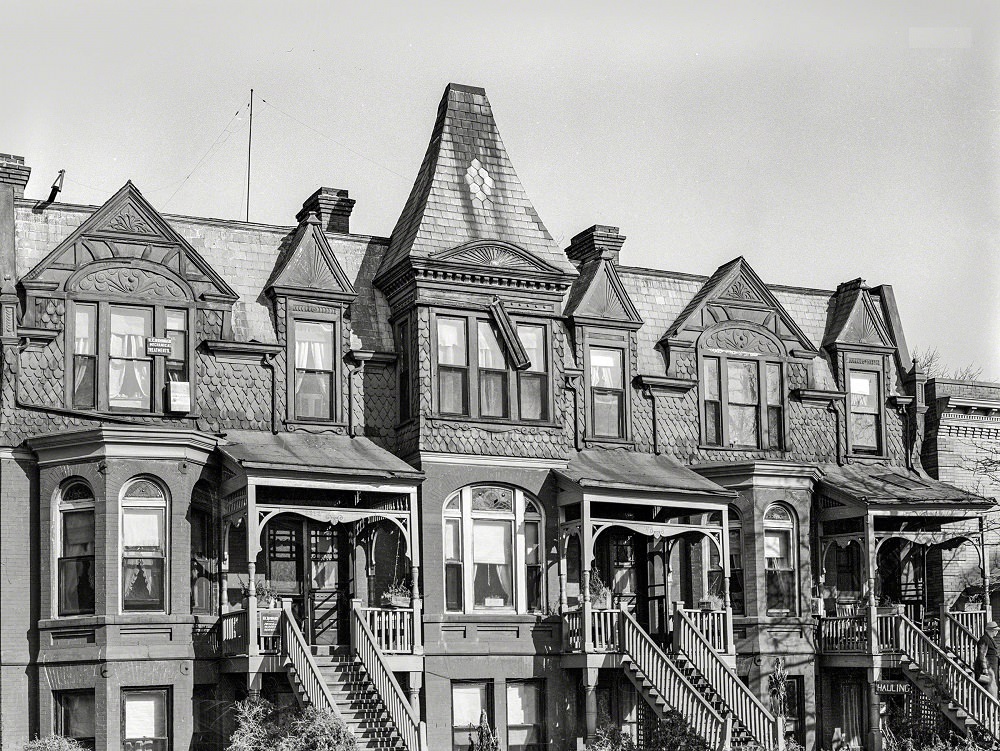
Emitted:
<point x="832" y="407"/>
<point x="648" y="392"/>
<point x="355" y="360"/>
<point x="572" y="378"/>
<point x="267" y="361"/>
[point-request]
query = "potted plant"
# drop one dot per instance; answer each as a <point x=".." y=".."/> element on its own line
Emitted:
<point x="600" y="595"/>
<point x="267" y="596"/>
<point x="397" y="595"/>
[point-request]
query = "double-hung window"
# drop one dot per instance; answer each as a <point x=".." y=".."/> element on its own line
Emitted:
<point x="76" y="555"/>
<point x="525" y="716"/>
<point x="115" y="365"/>
<point x="866" y="411"/>
<point x="144" y="547"/>
<point x="146" y="719"/>
<point x="75" y="716"/>
<point x="470" y="701"/>
<point x="493" y="551"/>
<point x="742" y="403"/>
<point x="780" y="541"/>
<point x="607" y="392"/>
<point x="315" y="383"/>
<point x="475" y="376"/>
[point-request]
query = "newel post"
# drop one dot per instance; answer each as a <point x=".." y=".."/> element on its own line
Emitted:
<point x="355" y="615"/>
<point x="944" y="628"/>
<point x="586" y="612"/>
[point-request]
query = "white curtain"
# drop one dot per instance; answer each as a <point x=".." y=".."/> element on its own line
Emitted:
<point x="490" y="355"/>
<point x="468" y="702"/>
<point x="128" y="379"/>
<point x="491" y="542"/>
<point x="144" y="716"/>
<point x="142" y="528"/>
<point x="314" y="346"/>
<point x="605" y="369"/>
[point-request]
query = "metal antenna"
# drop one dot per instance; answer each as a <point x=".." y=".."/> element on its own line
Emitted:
<point x="249" y="146"/>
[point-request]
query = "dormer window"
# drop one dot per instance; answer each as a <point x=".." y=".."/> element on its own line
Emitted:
<point x="743" y="403"/>
<point x="315" y="374"/>
<point x="116" y="363"/>
<point x="480" y="380"/>
<point x="607" y="392"/>
<point x="866" y="411"/>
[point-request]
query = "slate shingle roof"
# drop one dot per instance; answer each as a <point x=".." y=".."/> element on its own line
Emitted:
<point x="883" y="485"/>
<point x="622" y="468"/>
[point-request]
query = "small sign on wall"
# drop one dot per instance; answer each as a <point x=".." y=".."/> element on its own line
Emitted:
<point x="157" y="345"/>
<point x="268" y="621"/>
<point x="892" y="687"/>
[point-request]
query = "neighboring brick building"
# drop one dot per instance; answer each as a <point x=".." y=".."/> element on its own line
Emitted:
<point x="484" y="473"/>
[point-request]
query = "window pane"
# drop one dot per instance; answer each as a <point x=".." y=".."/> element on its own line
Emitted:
<point x="453" y="539"/>
<point x="78" y="533"/>
<point x="864" y="431"/>
<point x="142" y="529"/>
<point x="76" y="585"/>
<point x="742" y="425"/>
<point x="522" y="703"/>
<point x="533" y="401"/>
<point x="314" y="345"/>
<point x="145" y="715"/>
<point x="607" y="414"/>
<point x="864" y="392"/>
<point x="490" y="354"/>
<point x="493" y="393"/>
<point x="128" y="383"/>
<point x="178" y="345"/>
<point x="531" y="550"/>
<point x="492" y="556"/>
<point x="142" y="583"/>
<point x="606" y="368"/>
<point x="775" y="427"/>
<point x="743" y="382"/>
<point x="85" y="330"/>
<point x="76" y="715"/>
<point x="533" y="340"/>
<point x="713" y="423"/>
<point x="452" y="396"/>
<point x="312" y="395"/>
<point x="777" y="549"/>
<point x="774" y="384"/>
<point x="711" y="385"/>
<point x="453" y="587"/>
<point x="451" y="344"/>
<point x="129" y="329"/>
<point x="468" y="701"/>
<point x="84" y="381"/>
<point x="781" y="591"/>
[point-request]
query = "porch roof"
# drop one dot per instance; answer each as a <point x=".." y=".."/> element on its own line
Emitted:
<point x="895" y="486"/>
<point x="630" y="470"/>
<point x="319" y="454"/>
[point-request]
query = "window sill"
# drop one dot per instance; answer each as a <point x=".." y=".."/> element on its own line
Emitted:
<point x="610" y="442"/>
<point x="123" y="413"/>
<point x="741" y="449"/>
<point x="500" y="423"/>
<point x="508" y="616"/>
<point x="118" y="619"/>
<point x="305" y="424"/>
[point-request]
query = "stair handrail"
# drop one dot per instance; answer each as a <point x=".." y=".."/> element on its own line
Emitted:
<point x="408" y="723"/>
<point x="965" y="690"/>
<point x="959" y="639"/>
<point x="295" y="649"/>
<point x="670" y="683"/>
<point x="734" y="693"/>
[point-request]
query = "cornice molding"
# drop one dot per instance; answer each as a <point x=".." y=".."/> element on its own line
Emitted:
<point x="123" y="442"/>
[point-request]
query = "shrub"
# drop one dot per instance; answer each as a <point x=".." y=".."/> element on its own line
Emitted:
<point x="260" y="726"/>
<point x="53" y="743"/>
<point x="673" y="732"/>
<point x="610" y="738"/>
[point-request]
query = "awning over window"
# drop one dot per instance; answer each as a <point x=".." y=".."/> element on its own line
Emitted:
<point x="322" y="454"/>
<point x="875" y="485"/>
<point x="628" y="470"/>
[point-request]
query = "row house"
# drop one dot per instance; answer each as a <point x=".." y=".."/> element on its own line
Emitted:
<point x="457" y="470"/>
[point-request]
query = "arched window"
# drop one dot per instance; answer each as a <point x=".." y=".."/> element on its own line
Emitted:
<point x="780" y="560"/>
<point x="144" y="546"/>
<point x="737" y="597"/>
<point x="493" y="550"/>
<point x="76" y="549"/>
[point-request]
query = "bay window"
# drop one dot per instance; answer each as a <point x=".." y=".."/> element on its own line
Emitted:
<point x="76" y="556"/>
<point x="742" y="403"/>
<point x="780" y="547"/>
<point x="115" y="355"/>
<point x="607" y="392"/>
<point x="315" y="374"/>
<point x="474" y="371"/>
<point x="144" y="547"/>
<point x="866" y="412"/>
<point x="493" y="551"/>
<point x="145" y="719"/>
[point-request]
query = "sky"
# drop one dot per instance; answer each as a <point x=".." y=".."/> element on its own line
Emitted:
<point x="823" y="141"/>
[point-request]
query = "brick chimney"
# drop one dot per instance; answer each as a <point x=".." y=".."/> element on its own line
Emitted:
<point x="13" y="172"/>
<point x="599" y="241"/>
<point x="333" y="206"/>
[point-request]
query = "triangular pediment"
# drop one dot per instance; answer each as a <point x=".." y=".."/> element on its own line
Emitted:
<point x="494" y="255"/>
<point x="598" y="295"/>
<point x="128" y="231"/>
<point x="734" y="293"/>
<point x="857" y="319"/>
<point x="310" y="265"/>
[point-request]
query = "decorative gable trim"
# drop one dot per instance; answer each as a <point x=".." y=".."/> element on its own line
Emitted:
<point x="310" y="268"/>
<point x="734" y="293"/>
<point x="598" y="297"/>
<point x="857" y="320"/>
<point x="494" y="254"/>
<point x="128" y="232"/>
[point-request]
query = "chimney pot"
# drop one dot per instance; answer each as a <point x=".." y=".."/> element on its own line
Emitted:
<point x="14" y="172"/>
<point x="599" y="241"/>
<point x="333" y="206"/>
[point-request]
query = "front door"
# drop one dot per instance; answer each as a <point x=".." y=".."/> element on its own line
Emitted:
<point x="328" y="584"/>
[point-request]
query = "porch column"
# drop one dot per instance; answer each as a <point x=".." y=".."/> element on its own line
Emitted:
<point x="590" y="701"/>
<point x="985" y="557"/>
<point x="563" y="598"/>
<point x="253" y="548"/>
<point x="414" y="684"/>
<point x="726" y="573"/>
<point x="874" y="672"/>
<point x="668" y="586"/>
<point x="416" y="602"/>
<point x="587" y="557"/>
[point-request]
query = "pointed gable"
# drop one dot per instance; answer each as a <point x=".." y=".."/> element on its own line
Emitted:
<point x="735" y="293"/>
<point x="127" y="230"/>
<point x="856" y="318"/>
<point x="598" y="295"/>
<point x="467" y="191"/>
<point x="309" y="267"/>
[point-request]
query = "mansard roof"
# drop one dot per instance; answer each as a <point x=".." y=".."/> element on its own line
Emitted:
<point x="467" y="190"/>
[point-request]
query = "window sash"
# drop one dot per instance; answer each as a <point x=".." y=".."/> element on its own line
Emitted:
<point x="76" y="716"/>
<point x="746" y="408"/>
<point x="607" y="412"/>
<point x="453" y="390"/>
<point x="145" y="720"/>
<point x="76" y="585"/>
<point x="866" y="411"/>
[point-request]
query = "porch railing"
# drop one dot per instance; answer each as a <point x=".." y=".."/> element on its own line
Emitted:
<point x="298" y="655"/>
<point x="573" y="625"/>
<point x="973" y="621"/>
<point x="886" y="632"/>
<point x="392" y="628"/>
<point x="669" y="682"/>
<point x="604" y="630"/>
<point x="408" y="724"/>
<point x="234" y="633"/>
<point x="844" y="634"/>
<point x="958" y="638"/>
<point x="733" y="692"/>
<point x="711" y="623"/>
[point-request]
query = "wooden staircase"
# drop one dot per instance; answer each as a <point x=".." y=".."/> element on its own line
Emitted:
<point x="740" y="736"/>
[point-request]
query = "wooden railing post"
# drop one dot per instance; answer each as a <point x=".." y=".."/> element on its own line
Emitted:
<point x="355" y="608"/>
<point x="587" y="612"/>
<point x="944" y="627"/>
